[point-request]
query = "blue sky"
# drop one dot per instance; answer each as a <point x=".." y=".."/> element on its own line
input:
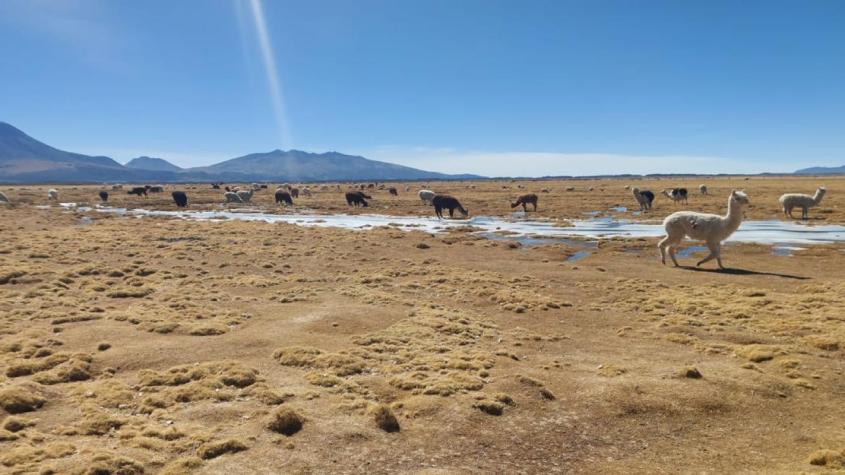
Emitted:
<point x="490" y="87"/>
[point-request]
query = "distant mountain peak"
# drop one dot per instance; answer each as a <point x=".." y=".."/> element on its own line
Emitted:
<point x="821" y="171"/>
<point x="152" y="163"/>
<point x="26" y="160"/>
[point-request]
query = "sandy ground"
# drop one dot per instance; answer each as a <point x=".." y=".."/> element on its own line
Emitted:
<point x="160" y="345"/>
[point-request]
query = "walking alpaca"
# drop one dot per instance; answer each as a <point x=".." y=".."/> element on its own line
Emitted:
<point x="798" y="200"/>
<point x="710" y="228"/>
<point x="676" y="194"/>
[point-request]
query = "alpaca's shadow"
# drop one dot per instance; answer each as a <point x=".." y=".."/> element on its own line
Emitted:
<point x="734" y="271"/>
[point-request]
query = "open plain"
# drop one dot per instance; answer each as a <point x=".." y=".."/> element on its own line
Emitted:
<point x="162" y="345"/>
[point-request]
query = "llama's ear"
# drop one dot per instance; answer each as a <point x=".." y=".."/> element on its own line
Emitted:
<point x="733" y="192"/>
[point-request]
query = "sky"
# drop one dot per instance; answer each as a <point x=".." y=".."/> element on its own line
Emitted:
<point x="519" y="88"/>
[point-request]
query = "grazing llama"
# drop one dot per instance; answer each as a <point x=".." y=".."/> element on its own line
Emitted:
<point x="710" y="228"/>
<point x="451" y="203"/>
<point x="676" y="194"/>
<point x="644" y="198"/>
<point x="525" y="200"/>
<point x="702" y="189"/>
<point x="799" y="200"/>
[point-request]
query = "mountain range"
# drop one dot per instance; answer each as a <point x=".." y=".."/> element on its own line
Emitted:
<point x="24" y="159"/>
<point x="822" y="171"/>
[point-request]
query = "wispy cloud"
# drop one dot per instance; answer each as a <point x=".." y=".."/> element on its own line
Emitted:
<point x="515" y="163"/>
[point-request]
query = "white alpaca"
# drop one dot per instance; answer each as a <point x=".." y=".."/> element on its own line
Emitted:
<point x="798" y="200"/>
<point x="232" y="197"/>
<point x="52" y="194"/>
<point x="644" y="198"/>
<point x="426" y="196"/>
<point x="710" y="228"/>
<point x="702" y="189"/>
<point x="245" y="195"/>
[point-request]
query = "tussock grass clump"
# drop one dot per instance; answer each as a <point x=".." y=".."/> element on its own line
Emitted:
<point x="103" y="346"/>
<point x="212" y="450"/>
<point x="110" y="464"/>
<point x="691" y="372"/>
<point x="491" y="407"/>
<point x="181" y="466"/>
<point x="18" y="399"/>
<point x="828" y="458"/>
<point x="16" y="424"/>
<point x="285" y="421"/>
<point x="385" y="419"/>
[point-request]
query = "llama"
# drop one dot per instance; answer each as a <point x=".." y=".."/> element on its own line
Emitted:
<point x="138" y="190"/>
<point x="294" y="192"/>
<point x="232" y="197"/>
<point x="644" y="198"/>
<point x="356" y="198"/>
<point x="392" y="190"/>
<point x="426" y="196"/>
<point x="52" y="194"/>
<point x="710" y="228"/>
<point x="676" y="194"/>
<point x="524" y="200"/>
<point x="104" y="196"/>
<point x="116" y="187"/>
<point x="702" y="189"/>
<point x="283" y="196"/>
<point x="180" y="198"/>
<point x="449" y="202"/>
<point x="306" y="192"/>
<point x="155" y="189"/>
<point x="245" y="195"/>
<point x="4" y="198"/>
<point x="799" y="200"/>
<point x="570" y="188"/>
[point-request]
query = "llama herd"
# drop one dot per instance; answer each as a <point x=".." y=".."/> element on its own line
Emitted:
<point x="712" y="229"/>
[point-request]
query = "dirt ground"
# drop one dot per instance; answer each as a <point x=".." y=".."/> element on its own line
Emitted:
<point x="159" y="345"/>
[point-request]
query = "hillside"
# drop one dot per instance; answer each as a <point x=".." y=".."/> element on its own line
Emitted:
<point x="821" y="171"/>
<point x="24" y="159"/>
<point x="151" y="163"/>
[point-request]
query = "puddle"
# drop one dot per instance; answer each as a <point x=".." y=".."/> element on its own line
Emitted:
<point x="690" y="250"/>
<point x="785" y="251"/>
<point x="784" y="233"/>
<point x="577" y="256"/>
<point x="619" y="209"/>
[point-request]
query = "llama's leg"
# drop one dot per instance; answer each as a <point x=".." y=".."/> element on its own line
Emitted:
<point x="805" y="212"/>
<point x="714" y="253"/>
<point x="668" y="244"/>
<point x="524" y="208"/>
<point x="535" y="206"/>
<point x="662" y="246"/>
<point x="719" y="256"/>
<point x="451" y="212"/>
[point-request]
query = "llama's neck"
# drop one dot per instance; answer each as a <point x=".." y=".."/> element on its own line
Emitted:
<point x="817" y="198"/>
<point x="733" y="219"/>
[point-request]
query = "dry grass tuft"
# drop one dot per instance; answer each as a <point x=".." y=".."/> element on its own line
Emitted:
<point x="490" y="407"/>
<point x="828" y="458"/>
<point x="385" y="419"/>
<point x="215" y="449"/>
<point x="285" y="421"/>
<point x="18" y="399"/>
